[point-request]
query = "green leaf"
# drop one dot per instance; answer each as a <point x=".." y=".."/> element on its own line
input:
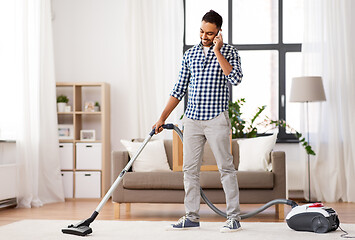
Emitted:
<point x="261" y="109"/>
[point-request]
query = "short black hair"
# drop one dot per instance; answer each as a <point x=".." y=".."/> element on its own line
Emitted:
<point x="213" y="17"/>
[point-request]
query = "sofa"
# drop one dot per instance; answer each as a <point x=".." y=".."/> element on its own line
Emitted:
<point x="256" y="187"/>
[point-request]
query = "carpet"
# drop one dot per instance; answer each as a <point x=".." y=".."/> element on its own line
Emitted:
<point x="106" y="229"/>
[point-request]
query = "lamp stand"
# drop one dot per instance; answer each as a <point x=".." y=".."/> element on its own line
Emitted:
<point x="309" y="162"/>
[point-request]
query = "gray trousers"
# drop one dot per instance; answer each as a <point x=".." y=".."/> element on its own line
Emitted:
<point x="216" y="131"/>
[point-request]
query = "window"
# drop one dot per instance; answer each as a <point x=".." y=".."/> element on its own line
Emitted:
<point x="255" y="21"/>
<point x="254" y="82"/>
<point x="268" y="36"/>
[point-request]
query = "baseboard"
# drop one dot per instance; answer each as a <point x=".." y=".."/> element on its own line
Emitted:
<point x="296" y="195"/>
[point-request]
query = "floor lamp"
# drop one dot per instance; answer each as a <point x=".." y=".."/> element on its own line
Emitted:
<point x="307" y="89"/>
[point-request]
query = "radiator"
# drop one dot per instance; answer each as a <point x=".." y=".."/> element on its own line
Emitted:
<point x="8" y="193"/>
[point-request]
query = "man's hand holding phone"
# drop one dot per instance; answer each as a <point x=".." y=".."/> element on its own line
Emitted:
<point x="218" y="41"/>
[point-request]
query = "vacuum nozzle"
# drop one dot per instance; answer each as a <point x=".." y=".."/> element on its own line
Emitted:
<point x="79" y="231"/>
<point x="82" y="228"/>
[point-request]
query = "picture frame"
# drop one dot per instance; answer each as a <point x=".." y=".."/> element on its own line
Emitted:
<point x="89" y="106"/>
<point x="87" y="135"/>
<point x="65" y="131"/>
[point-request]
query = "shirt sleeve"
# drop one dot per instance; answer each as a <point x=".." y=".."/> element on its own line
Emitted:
<point x="181" y="85"/>
<point x="236" y="75"/>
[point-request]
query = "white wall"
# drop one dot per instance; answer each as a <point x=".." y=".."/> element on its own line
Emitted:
<point x="87" y="47"/>
<point x="295" y="164"/>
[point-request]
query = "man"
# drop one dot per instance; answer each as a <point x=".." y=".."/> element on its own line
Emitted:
<point x="206" y="69"/>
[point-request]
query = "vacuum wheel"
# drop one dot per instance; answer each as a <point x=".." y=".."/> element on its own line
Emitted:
<point x="320" y="224"/>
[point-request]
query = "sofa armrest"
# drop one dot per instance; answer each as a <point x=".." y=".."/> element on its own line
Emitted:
<point x="119" y="160"/>
<point x="278" y="160"/>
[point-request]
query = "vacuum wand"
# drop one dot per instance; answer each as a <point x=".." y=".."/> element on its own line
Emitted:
<point x="123" y="172"/>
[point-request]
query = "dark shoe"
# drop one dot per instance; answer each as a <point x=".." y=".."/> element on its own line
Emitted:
<point x="231" y="225"/>
<point x="184" y="224"/>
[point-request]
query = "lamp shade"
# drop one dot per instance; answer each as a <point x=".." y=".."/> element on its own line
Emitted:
<point x="307" y="89"/>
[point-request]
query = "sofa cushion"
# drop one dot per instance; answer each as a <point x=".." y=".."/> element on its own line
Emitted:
<point x="152" y="158"/>
<point x="246" y="180"/>
<point x="154" y="180"/>
<point x="208" y="180"/>
<point x="254" y="153"/>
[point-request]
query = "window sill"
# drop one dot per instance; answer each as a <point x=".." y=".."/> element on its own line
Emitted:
<point x="287" y="141"/>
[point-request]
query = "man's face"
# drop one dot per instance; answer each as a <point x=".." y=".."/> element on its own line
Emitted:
<point x="208" y="32"/>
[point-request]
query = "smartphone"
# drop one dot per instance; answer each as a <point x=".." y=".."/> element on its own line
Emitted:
<point x="216" y="35"/>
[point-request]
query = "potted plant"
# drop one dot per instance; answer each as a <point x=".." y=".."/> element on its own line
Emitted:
<point x="242" y="128"/>
<point x="97" y="107"/>
<point x="62" y="101"/>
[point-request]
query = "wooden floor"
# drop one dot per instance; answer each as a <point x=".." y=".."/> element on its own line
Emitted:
<point x="81" y="209"/>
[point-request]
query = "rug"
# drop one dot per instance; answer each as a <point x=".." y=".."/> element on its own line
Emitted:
<point x="106" y="229"/>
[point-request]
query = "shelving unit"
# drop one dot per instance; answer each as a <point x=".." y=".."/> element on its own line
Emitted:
<point x="79" y="93"/>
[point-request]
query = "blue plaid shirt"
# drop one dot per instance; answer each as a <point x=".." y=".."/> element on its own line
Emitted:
<point x="208" y="93"/>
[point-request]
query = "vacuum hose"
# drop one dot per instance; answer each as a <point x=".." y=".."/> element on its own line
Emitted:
<point x="218" y="211"/>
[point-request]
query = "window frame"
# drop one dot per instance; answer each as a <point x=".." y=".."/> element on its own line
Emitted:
<point x="281" y="47"/>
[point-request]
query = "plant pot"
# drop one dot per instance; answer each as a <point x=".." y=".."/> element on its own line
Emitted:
<point x="96" y="109"/>
<point x="61" y="106"/>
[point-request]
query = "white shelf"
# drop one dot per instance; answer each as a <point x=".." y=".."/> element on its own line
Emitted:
<point x="78" y="94"/>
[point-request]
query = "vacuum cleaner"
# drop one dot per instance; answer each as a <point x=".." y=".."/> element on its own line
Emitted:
<point x="310" y="217"/>
<point x="313" y="217"/>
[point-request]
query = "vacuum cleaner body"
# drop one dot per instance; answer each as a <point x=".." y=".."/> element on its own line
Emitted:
<point x="313" y="218"/>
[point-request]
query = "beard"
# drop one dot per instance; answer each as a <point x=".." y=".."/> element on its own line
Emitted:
<point x="206" y="43"/>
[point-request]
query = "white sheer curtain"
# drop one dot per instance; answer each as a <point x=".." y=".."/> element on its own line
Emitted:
<point x="153" y="51"/>
<point x="39" y="179"/>
<point x="328" y="51"/>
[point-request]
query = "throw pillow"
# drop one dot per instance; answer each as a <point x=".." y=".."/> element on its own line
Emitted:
<point x="254" y="153"/>
<point x="152" y="158"/>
